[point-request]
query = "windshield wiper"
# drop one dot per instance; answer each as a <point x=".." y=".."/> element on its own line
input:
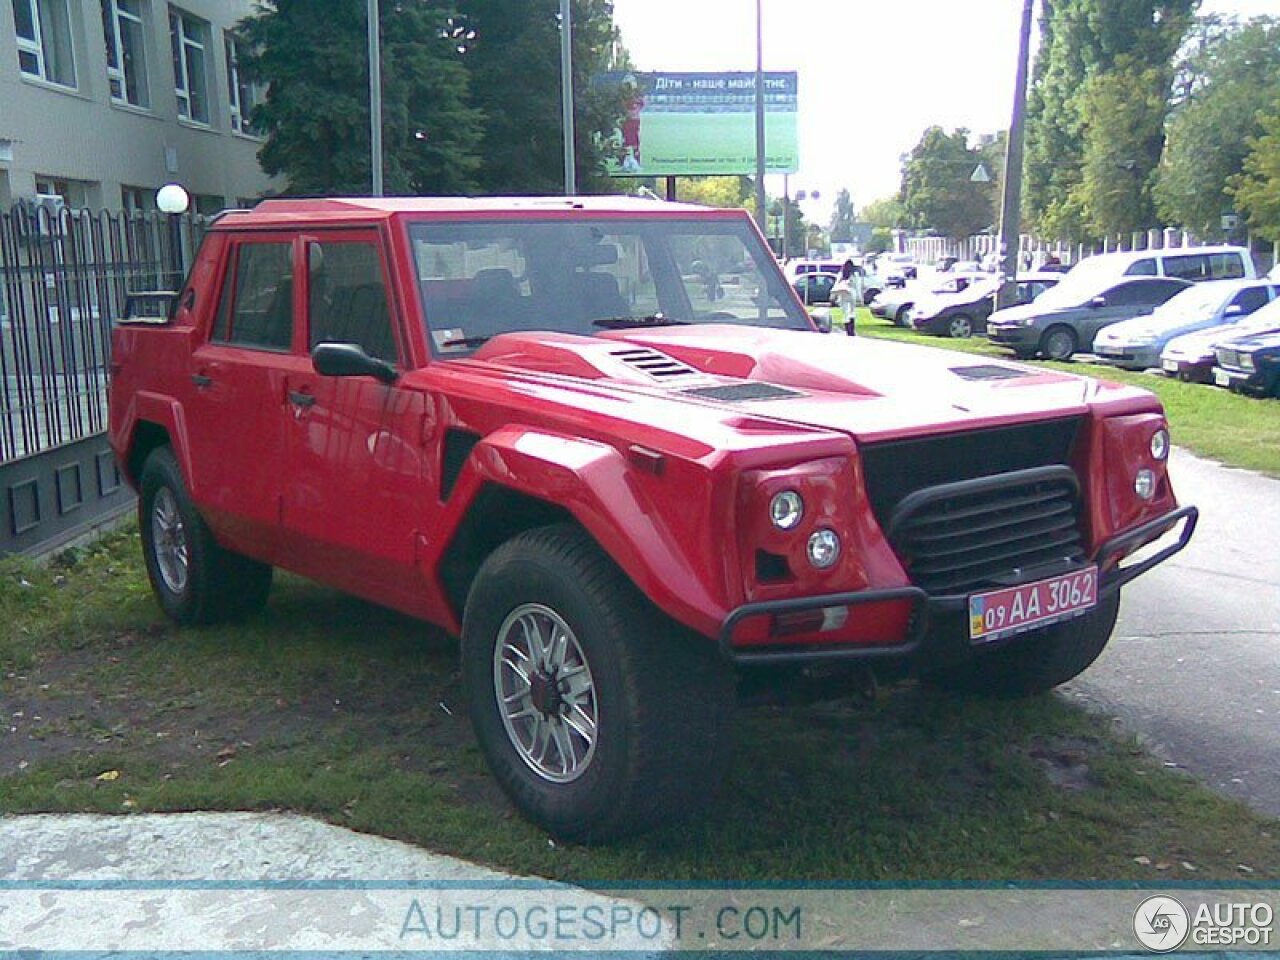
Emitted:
<point x="648" y="320"/>
<point x="466" y="342"/>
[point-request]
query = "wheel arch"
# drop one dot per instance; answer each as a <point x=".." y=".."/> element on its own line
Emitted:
<point x="155" y="421"/>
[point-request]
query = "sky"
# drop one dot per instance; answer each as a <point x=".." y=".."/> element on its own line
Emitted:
<point x="873" y="74"/>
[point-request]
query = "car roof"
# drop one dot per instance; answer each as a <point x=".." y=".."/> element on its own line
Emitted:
<point x="1129" y="256"/>
<point x="285" y="212"/>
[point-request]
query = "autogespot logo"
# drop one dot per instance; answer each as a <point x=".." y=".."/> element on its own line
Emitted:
<point x="1161" y="924"/>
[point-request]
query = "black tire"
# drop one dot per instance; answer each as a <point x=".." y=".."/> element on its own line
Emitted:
<point x="1058" y="343"/>
<point x="868" y="296"/>
<point x="903" y="317"/>
<point x="1037" y="662"/>
<point x="662" y="697"/>
<point x="960" y="327"/>
<point x="194" y="579"/>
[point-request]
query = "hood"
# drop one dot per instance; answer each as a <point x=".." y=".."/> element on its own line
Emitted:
<point x="869" y="389"/>
<point x="1256" y="341"/>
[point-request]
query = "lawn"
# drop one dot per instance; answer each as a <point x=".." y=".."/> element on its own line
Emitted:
<point x="333" y="707"/>
<point x="1214" y="423"/>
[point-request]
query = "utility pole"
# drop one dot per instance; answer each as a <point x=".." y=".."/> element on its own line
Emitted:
<point x="1011" y="201"/>
<point x="761" y="213"/>
<point x="375" y="99"/>
<point x="566" y="97"/>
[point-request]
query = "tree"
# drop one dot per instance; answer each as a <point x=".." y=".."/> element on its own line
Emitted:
<point x="938" y="192"/>
<point x="842" y="218"/>
<point x="310" y="55"/>
<point x="1082" y="40"/>
<point x="1256" y="190"/>
<point x="1232" y="78"/>
<point x="885" y="213"/>
<point x="728" y="192"/>
<point x="797" y="231"/>
<point x="514" y="65"/>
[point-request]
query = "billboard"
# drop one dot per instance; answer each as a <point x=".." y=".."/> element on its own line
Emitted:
<point x="694" y="124"/>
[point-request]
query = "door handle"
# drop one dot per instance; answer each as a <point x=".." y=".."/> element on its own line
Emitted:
<point x="300" y="399"/>
<point x="201" y="380"/>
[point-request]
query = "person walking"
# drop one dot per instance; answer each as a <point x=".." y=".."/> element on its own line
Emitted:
<point x="845" y="295"/>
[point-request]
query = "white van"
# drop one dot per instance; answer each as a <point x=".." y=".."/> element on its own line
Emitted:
<point x="1185" y="263"/>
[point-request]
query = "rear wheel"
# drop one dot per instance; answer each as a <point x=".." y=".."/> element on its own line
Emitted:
<point x="599" y="716"/>
<point x="960" y="327"/>
<point x="194" y="579"/>
<point x="1037" y="662"/>
<point x="869" y="295"/>
<point x="1058" y="343"/>
<point x="903" y="317"/>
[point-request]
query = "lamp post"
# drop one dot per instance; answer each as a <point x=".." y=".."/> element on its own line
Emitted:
<point x="375" y="99"/>
<point x="173" y="200"/>
<point x="566" y="97"/>
<point x="760" y="198"/>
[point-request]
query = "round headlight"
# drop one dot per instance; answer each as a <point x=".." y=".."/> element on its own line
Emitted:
<point x="1160" y="444"/>
<point x="1144" y="484"/>
<point x="824" y="548"/>
<point x="786" y="509"/>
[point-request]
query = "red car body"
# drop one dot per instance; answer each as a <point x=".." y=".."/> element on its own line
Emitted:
<point x="666" y="444"/>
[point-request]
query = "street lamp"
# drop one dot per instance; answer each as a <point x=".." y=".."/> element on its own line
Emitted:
<point x="173" y="200"/>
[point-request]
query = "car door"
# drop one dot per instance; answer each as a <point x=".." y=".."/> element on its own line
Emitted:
<point x="355" y="464"/>
<point x="1123" y="301"/>
<point x="235" y="414"/>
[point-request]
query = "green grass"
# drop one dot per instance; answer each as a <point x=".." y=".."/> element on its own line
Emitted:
<point x="330" y="706"/>
<point x="1227" y="427"/>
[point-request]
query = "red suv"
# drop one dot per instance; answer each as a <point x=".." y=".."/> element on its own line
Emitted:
<point x="600" y="441"/>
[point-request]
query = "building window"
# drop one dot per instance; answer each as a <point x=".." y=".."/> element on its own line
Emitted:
<point x="125" y="34"/>
<point x="241" y="95"/>
<point x="136" y="199"/>
<point x="189" y="38"/>
<point x="43" y="31"/>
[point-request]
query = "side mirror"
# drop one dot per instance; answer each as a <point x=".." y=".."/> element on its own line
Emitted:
<point x="350" y="360"/>
<point x="1234" y="310"/>
<point x="150" y="306"/>
<point x="1097" y="302"/>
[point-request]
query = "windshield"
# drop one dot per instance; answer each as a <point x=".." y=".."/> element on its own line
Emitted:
<point x="482" y="278"/>
<point x="1195" y="303"/>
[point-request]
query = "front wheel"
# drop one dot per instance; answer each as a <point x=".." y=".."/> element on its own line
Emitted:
<point x="960" y="327"/>
<point x="1037" y="662"/>
<point x="903" y="317"/>
<point x="194" y="579"/>
<point x="1058" y="343"/>
<point x="598" y="715"/>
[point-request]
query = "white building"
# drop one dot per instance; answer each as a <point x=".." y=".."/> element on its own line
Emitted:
<point x="104" y="101"/>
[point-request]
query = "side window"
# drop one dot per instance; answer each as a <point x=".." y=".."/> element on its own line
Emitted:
<point x="1226" y="266"/>
<point x="1142" y="268"/>
<point x="1140" y="293"/>
<point x="1250" y="299"/>
<point x="1194" y="267"/>
<point x="347" y="299"/>
<point x="257" y="299"/>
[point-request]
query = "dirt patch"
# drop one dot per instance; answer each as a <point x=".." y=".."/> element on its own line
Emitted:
<point x="1065" y="761"/>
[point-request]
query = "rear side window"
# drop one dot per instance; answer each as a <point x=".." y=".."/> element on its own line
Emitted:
<point x="1193" y="267"/>
<point x="1142" y="268"/>
<point x="1226" y="266"/>
<point x="257" y="297"/>
<point x="1139" y="293"/>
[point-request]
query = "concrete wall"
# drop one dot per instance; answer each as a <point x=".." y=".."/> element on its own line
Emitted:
<point x="81" y="135"/>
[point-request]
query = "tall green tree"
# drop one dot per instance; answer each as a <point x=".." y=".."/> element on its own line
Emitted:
<point x="311" y="56"/>
<point x="1081" y="41"/>
<point x="728" y="192"/>
<point x="938" y="190"/>
<point x="842" y="218"/>
<point x="1232" y="79"/>
<point x="886" y="213"/>
<point x="1256" y="189"/>
<point x="514" y="65"/>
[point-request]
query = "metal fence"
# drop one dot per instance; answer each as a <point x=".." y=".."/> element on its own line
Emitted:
<point x="64" y="276"/>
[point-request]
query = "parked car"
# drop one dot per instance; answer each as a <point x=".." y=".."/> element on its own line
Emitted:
<point x="1193" y="264"/>
<point x="1065" y="320"/>
<point x="520" y="419"/>
<point x="896" y="305"/>
<point x="814" y="288"/>
<point x="1191" y="357"/>
<point x="1249" y="365"/>
<point x="1137" y="344"/>
<point x="897" y="269"/>
<point x="964" y="313"/>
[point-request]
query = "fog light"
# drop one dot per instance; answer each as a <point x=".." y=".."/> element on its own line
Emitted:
<point x="1160" y="444"/>
<point x="1144" y="484"/>
<point x="824" y="549"/>
<point x="786" y="509"/>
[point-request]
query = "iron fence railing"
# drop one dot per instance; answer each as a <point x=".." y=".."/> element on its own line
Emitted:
<point x="64" y="276"/>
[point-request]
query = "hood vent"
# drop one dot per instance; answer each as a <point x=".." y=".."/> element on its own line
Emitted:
<point x="741" y="392"/>
<point x="988" y="371"/>
<point x="655" y="364"/>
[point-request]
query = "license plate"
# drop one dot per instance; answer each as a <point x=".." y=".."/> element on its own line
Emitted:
<point x="1222" y="378"/>
<point x="1170" y="365"/>
<point x="1002" y="613"/>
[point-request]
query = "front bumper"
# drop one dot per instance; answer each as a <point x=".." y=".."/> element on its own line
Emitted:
<point x="1019" y="338"/>
<point x="924" y="607"/>
<point x="1129" y="357"/>
<point x="1255" y="383"/>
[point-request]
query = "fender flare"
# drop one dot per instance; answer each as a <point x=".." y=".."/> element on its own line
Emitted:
<point x="165" y="412"/>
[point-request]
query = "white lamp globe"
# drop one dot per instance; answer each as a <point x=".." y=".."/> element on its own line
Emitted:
<point x="171" y="198"/>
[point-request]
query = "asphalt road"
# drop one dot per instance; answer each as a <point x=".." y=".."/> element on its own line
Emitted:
<point x="1193" y="669"/>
